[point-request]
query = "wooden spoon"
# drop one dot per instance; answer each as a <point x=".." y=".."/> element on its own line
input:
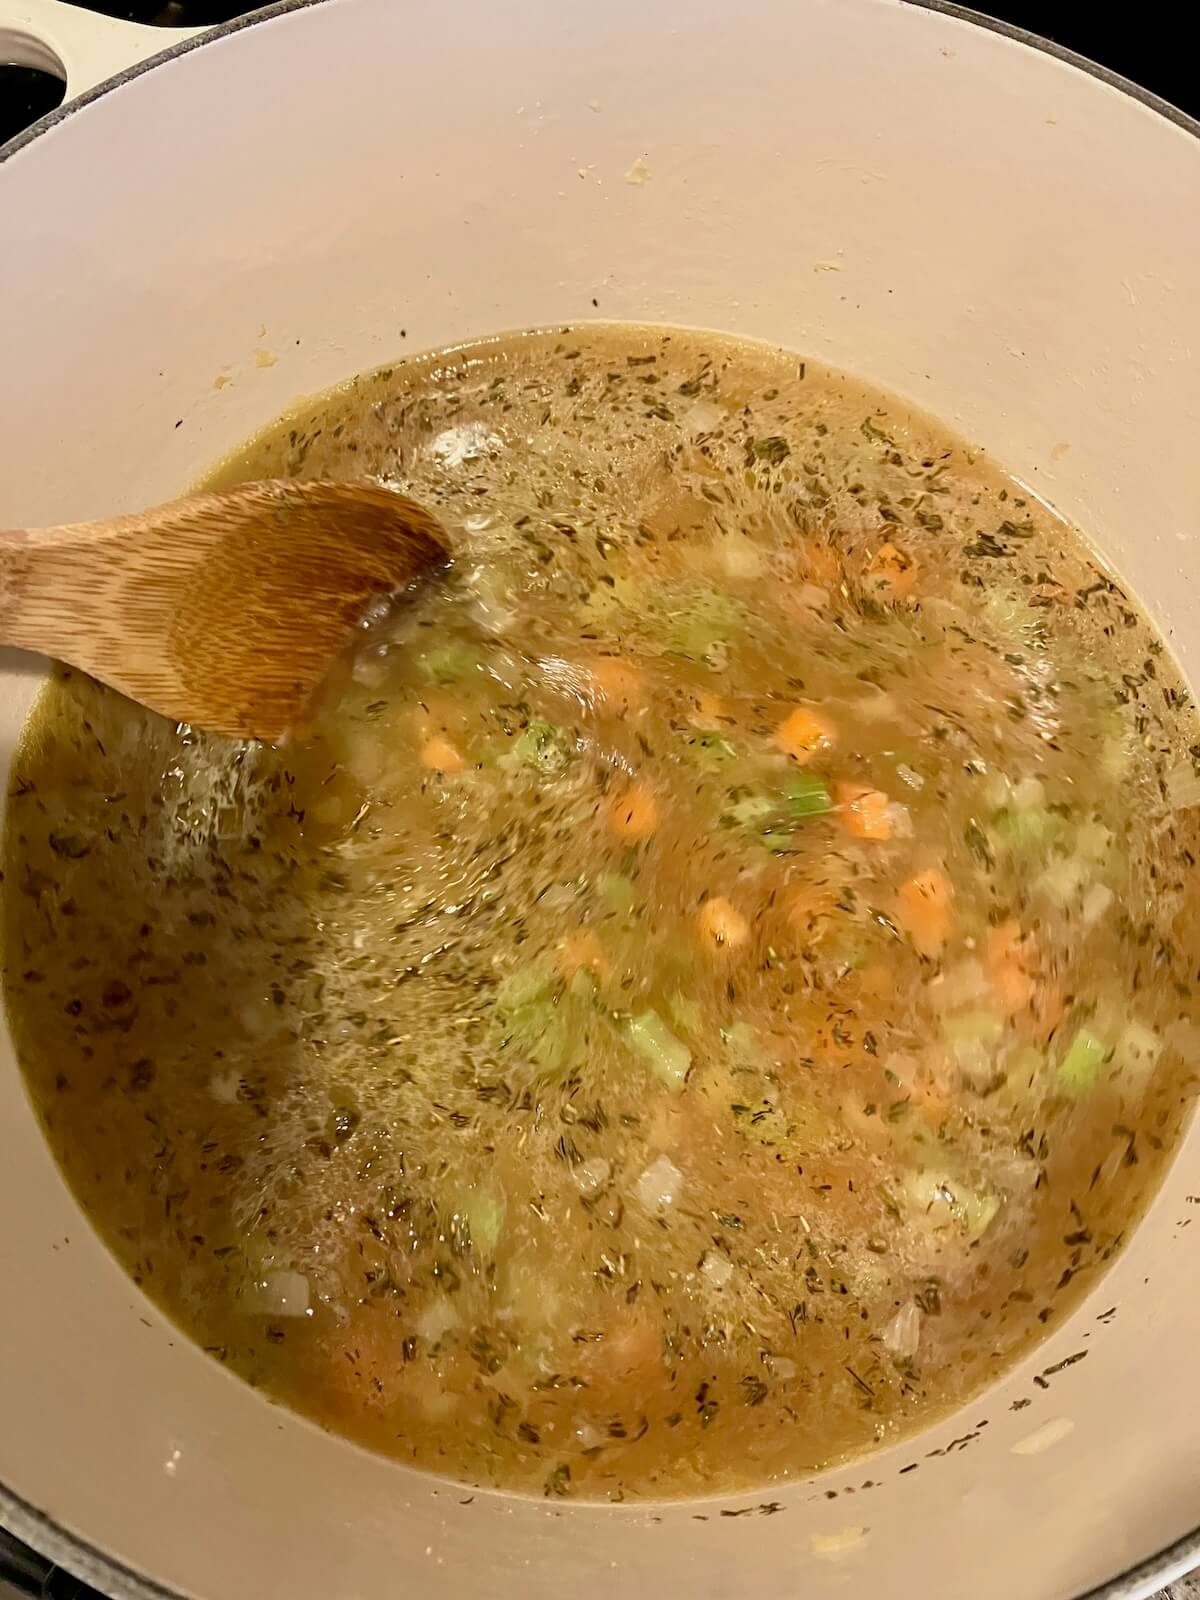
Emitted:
<point x="222" y="610"/>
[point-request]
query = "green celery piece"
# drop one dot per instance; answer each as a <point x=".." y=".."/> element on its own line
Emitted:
<point x="984" y="1026"/>
<point x="524" y="987"/>
<point x="806" y="796"/>
<point x="484" y="1212"/>
<point x="445" y="662"/>
<point x="752" y="808"/>
<point x="531" y="1021"/>
<point x="702" y="620"/>
<point x="712" y="746"/>
<point x="541" y="747"/>
<point x="649" y="1035"/>
<point x="618" y="892"/>
<point x="686" y="1013"/>
<point x="1080" y="1067"/>
<point x="1025" y="827"/>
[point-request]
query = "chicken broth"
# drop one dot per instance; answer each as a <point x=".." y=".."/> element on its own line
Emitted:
<point x="710" y="986"/>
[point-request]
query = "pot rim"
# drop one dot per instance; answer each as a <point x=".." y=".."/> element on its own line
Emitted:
<point x="76" y="1554"/>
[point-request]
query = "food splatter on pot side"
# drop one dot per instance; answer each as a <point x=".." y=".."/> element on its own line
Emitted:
<point x="711" y="986"/>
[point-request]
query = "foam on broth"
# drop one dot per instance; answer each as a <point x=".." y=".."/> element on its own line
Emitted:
<point x="711" y="986"/>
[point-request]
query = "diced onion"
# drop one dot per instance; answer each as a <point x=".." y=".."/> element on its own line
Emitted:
<point x="1183" y="788"/>
<point x="437" y="1318"/>
<point x="278" y="1294"/>
<point x="660" y="1185"/>
<point x="740" y="558"/>
<point x="1063" y="880"/>
<point x="702" y="417"/>
<point x="717" y="1269"/>
<point x="1136" y="1051"/>
<point x="1029" y="795"/>
<point x="902" y="1335"/>
<point x="1096" y="902"/>
<point x="592" y="1175"/>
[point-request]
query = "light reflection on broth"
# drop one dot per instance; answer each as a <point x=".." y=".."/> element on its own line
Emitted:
<point x="711" y="986"/>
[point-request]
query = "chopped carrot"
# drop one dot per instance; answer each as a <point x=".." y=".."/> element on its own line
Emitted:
<point x="824" y="563"/>
<point x="864" y="811"/>
<point x="616" y="685"/>
<point x="877" y="983"/>
<point x="633" y="814"/>
<point x="627" y="1361"/>
<point x="722" y="924"/>
<point x="927" y="911"/>
<point x="710" y="709"/>
<point x="439" y="755"/>
<point x="582" y="949"/>
<point x="804" y="734"/>
<point x="891" y="573"/>
<point x="1011" y="963"/>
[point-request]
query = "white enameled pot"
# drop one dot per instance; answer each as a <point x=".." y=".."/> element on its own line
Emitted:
<point x="958" y="212"/>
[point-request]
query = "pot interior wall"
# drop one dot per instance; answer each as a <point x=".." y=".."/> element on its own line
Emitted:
<point x="975" y="224"/>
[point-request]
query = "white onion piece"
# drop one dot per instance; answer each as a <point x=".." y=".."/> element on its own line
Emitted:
<point x="717" y="1269"/>
<point x="902" y="1335"/>
<point x="660" y="1184"/>
<point x="592" y="1175"/>
<point x="1183" y="788"/>
<point x="1096" y="902"/>
<point x="278" y="1294"/>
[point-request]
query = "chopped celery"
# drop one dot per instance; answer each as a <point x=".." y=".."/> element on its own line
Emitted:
<point x="582" y="985"/>
<point x="806" y="796"/>
<point x="1025" y="827"/>
<point x="445" y="662"/>
<point x="702" y="624"/>
<point x="1080" y="1067"/>
<point x="532" y="1023"/>
<point x="752" y="808"/>
<point x="712" y="746"/>
<point x="941" y="1197"/>
<point x="483" y="1211"/>
<point x="649" y="1035"/>
<point x="524" y="987"/>
<point x="982" y="1027"/>
<point x="773" y="816"/>
<point x="542" y="747"/>
<point x="686" y="1013"/>
<point x="618" y="892"/>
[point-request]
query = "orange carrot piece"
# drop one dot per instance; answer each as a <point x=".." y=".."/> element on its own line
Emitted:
<point x="722" y="924"/>
<point x="864" y="811"/>
<point x="891" y="573"/>
<point x="1011" y="962"/>
<point x="582" y="949"/>
<point x="439" y="755"/>
<point x="804" y="734"/>
<point x="926" y="910"/>
<point x="710" y="709"/>
<point x="824" y="563"/>
<point x="616" y="685"/>
<point x="633" y="814"/>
